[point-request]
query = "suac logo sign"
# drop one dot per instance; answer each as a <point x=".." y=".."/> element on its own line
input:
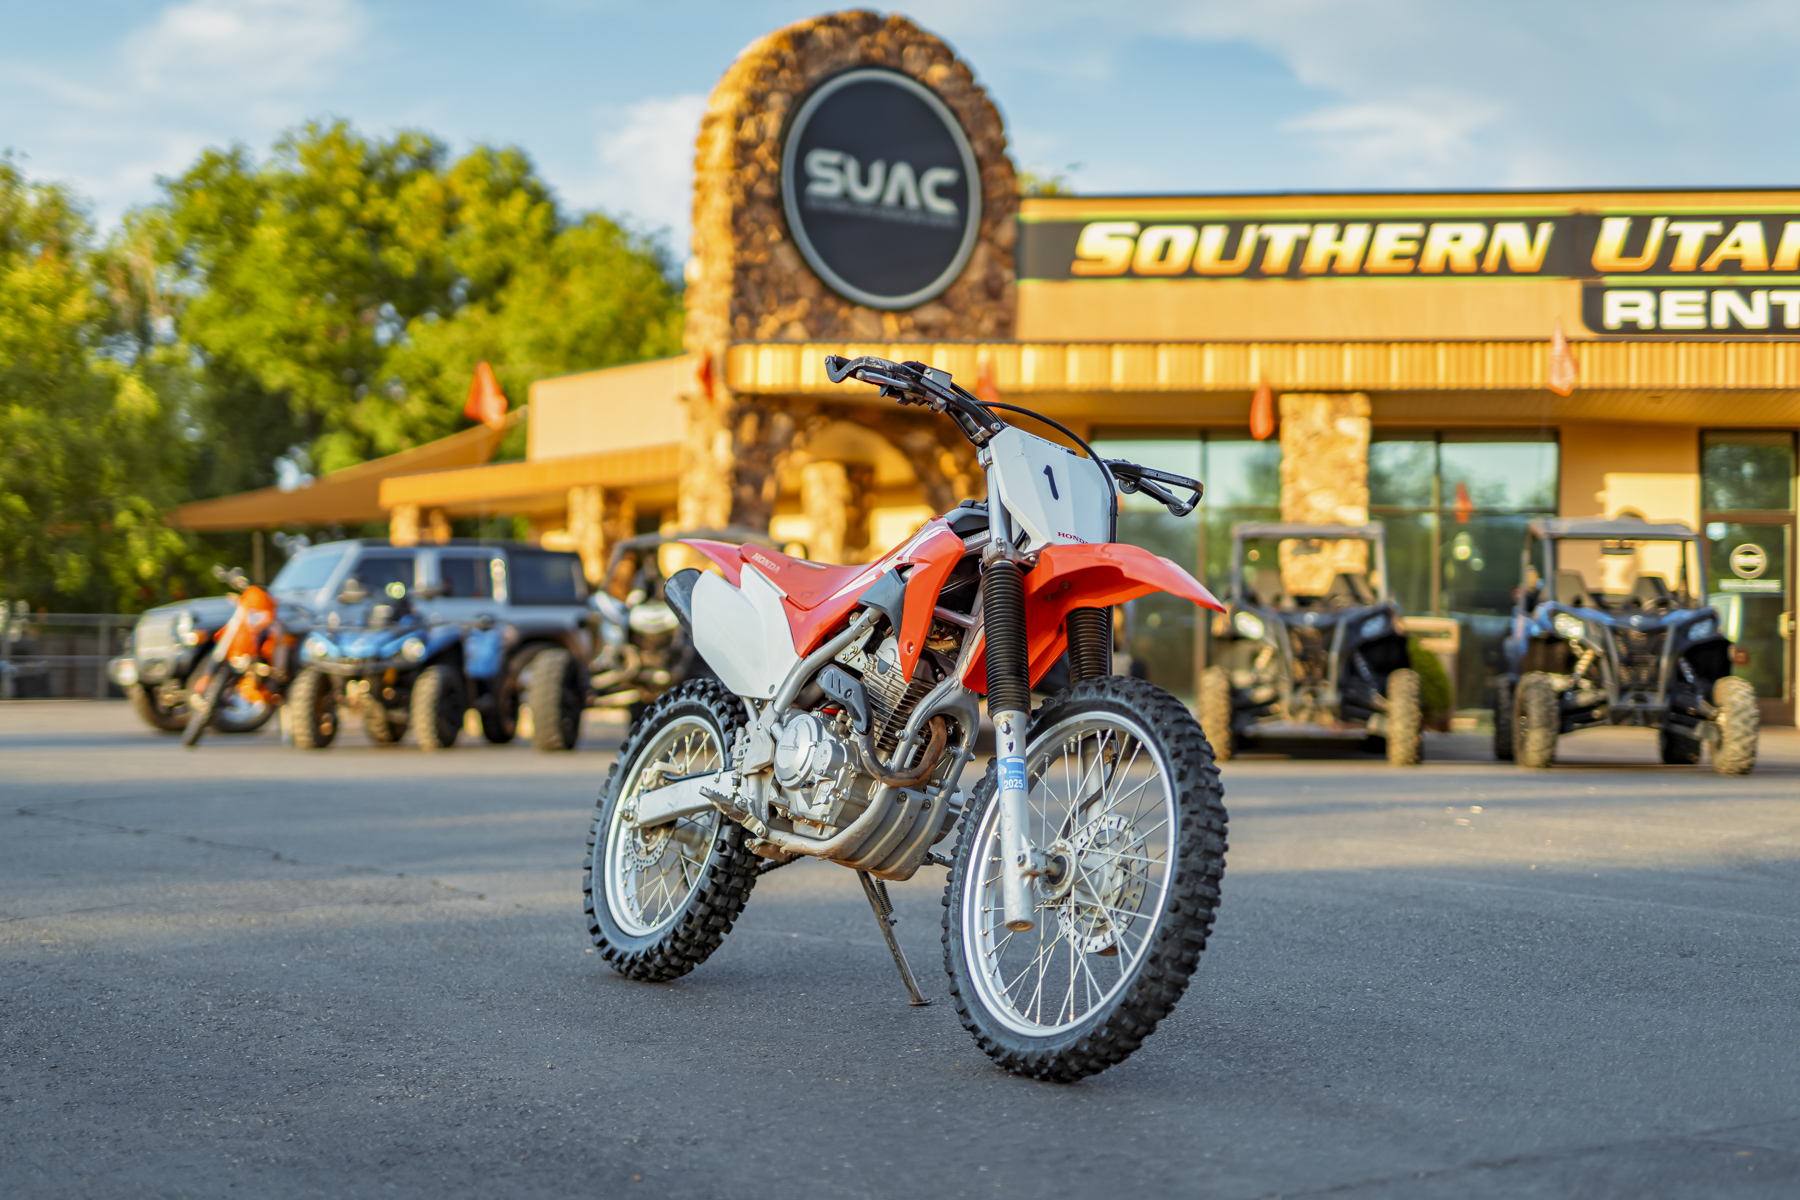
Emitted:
<point x="881" y="189"/>
<point x="1671" y="273"/>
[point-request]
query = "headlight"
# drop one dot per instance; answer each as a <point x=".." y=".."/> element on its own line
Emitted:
<point x="1701" y="630"/>
<point x="1568" y="625"/>
<point x="319" y="646"/>
<point x="185" y="633"/>
<point x="1248" y="624"/>
<point x="412" y="649"/>
<point x="1374" y="627"/>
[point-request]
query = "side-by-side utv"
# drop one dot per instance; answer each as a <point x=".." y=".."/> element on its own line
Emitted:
<point x="1329" y="664"/>
<point x="1612" y="627"/>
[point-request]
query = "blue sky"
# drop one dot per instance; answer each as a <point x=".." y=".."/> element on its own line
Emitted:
<point x="1158" y="96"/>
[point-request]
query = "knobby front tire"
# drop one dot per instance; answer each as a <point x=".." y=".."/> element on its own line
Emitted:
<point x="1125" y="800"/>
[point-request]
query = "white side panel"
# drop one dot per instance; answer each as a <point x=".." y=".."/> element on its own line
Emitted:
<point x="1054" y="494"/>
<point x="743" y="634"/>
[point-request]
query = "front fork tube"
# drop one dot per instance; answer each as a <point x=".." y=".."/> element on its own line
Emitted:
<point x="1016" y="858"/>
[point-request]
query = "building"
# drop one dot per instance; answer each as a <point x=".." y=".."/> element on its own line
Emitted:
<point x="853" y="195"/>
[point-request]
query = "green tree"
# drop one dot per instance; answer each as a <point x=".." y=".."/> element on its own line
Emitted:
<point x="90" y="451"/>
<point x="357" y="282"/>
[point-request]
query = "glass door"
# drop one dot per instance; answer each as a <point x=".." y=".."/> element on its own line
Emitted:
<point x="1747" y="493"/>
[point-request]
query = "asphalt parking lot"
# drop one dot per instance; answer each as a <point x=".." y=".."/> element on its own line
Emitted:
<point x="249" y="970"/>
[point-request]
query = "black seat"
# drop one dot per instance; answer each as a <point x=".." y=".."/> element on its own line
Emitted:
<point x="1349" y="589"/>
<point x="1572" y="589"/>
<point x="1651" y="593"/>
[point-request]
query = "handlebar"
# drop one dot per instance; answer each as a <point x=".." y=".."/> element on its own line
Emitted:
<point x="917" y="383"/>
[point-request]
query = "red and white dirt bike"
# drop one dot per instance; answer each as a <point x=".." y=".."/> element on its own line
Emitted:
<point x="1086" y="876"/>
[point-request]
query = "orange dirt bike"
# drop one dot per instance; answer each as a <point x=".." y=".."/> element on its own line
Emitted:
<point x="1085" y="877"/>
<point x="250" y="659"/>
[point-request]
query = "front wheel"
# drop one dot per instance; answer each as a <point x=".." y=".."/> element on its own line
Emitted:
<point x="201" y="710"/>
<point x="1126" y="806"/>
<point x="557" y="694"/>
<point x="153" y="712"/>
<point x="312" y="710"/>
<point x="1406" y="719"/>
<point x="659" y="901"/>
<point x="1215" y="711"/>
<point x="1537" y="720"/>
<point x="437" y="707"/>
<point x="1739" y="723"/>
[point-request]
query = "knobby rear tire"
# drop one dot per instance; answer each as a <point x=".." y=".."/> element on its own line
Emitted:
<point x="1739" y="722"/>
<point x="684" y="939"/>
<point x="1168" y="953"/>
<point x="1405" y="719"/>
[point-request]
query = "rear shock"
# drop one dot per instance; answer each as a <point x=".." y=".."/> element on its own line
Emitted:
<point x="1009" y="704"/>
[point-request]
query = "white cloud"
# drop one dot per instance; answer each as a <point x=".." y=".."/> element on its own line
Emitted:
<point x="241" y="49"/>
<point x="645" y="156"/>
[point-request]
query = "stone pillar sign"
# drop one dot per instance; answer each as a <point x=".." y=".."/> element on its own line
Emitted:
<point x="1324" y="481"/>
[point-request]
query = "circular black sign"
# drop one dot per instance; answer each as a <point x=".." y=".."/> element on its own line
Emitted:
<point x="882" y="192"/>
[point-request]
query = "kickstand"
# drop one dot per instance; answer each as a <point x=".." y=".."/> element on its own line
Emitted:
<point x="876" y="891"/>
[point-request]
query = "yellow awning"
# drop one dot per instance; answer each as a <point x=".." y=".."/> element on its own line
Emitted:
<point x="351" y="496"/>
<point x="526" y="487"/>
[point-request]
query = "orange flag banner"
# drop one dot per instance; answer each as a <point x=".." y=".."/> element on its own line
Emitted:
<point x="1565" y="371"/>
<point x="987" y="389"/>
<point x="487" y="403"/>
<point x="1262" y="412"/>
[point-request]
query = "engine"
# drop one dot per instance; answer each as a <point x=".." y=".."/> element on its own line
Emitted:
<point x="813" y="767"/>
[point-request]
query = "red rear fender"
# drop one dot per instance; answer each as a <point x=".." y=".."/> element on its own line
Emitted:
<point x="1089" y="576"/>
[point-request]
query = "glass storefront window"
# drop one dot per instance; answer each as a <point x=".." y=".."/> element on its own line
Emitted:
<point x="1747" y="470"/>
<point x="1243" y="483"/>
<point x="1455" y="505"/>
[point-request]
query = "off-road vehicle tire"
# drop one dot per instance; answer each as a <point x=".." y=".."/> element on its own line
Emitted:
<point x="502" y="724"/>
<point x="557" y="696"/>
<point x="1739" y="721"/>
<point x="1677" y="749"/>
<point x="1215" y="711"/>
<point x="312" y="710"/>
<point x="154" y="713"/>
<point x="1537" y="721"/>
<point x="437" y="707"/>
<point x="681" y="940"/>
<point x="1179" y="918"/>
<point x="381" y="728"/>
<point x="1503" y="719"/>
<point x="1405" y="719"/>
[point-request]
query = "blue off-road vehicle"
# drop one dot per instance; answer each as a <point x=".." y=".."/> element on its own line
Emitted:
<point x="396" y="668"/>
<point x="1613" y="627"/>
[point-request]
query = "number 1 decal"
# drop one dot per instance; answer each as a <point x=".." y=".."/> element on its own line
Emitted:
<point x="1054" y="494"/>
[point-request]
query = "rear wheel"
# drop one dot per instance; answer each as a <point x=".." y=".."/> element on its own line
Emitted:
<point x="312" y="710"/>
<point x="1739" y="722"/>
<point x="239" y="713"/>
<point x="1125" y="803"/>
<point x="1678" y="750"/>
<point x="202" y="708"/>
<point x="1537" y="720"/>
<point x="659" y="901"/>
<point x="500" y="722"/>
<point x="1405" y="719"/>
<point x="1215" y="711"/>
<point x="1503" y="719"/>
<point x="437" y="707"/>
<point x="154" y="713"/>
<point x="557" y="696"/>
<point x="377" y="723"/>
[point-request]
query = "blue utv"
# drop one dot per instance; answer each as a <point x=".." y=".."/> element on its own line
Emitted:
<point x="396" y="669"/>
<point x="1613" y="625"/>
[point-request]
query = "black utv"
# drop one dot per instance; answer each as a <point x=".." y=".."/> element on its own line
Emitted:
<point x="1334" y="665"/>
<point x="1612" y="627"/>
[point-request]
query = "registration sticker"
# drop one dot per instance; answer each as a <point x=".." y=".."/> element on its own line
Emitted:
<point x="1012" y="774"/>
